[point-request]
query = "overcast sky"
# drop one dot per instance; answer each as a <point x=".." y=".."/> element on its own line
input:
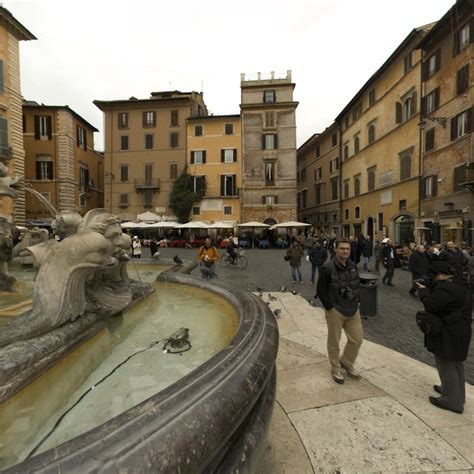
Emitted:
<point x="114" y="49"/>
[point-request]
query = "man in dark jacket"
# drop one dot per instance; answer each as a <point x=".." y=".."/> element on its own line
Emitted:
<point x="388" y="260"/>
<point x="455" y="258"/>
<point x="294" y="255"/>
<point x="448" y="298"/>
<point x="418" y="265"/>
<point x="338" y="290"/>
<point x="366" y="247"/>
<point x="317" y="256"/>
<point x="431" y="255"/>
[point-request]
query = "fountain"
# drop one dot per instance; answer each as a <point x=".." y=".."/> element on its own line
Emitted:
<point x="162" y="373"/>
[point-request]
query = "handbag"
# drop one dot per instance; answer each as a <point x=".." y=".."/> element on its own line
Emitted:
<point x="429" y="323"/>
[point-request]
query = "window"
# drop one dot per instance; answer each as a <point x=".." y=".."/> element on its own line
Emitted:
<point x="123" y="173"/>
<point x="196" y="211"/>
<point x="431" y="101"/>
<point x="269" y="97"/>
<point x="123" y="120"/>
<point x="357" y="112"/>
<point x="371" y="133"/>
<point x="346" y="214"/>
<point x="198" y="157"/>
<point x="462" y="38"/>
<point x="174" y="139"/>
<point x="429" y="139"/>
<point x="123" y="200"/>
<point x="406" y="108"/>
<point x="149" y="119"/>
<point x="407" y="62"/>
<point x="318" y="151"/>
<point x="317" y="190"/>
<point x="148" y="141"/>
<point x="228" y="210"/>
<point x="356" y="144"/>
<point x="334" y="186"/>
<point x="269" y="173"/>
<point x="304" y="198"/>
<point x="334" y="165"/>
<point x="229" y="155"/>
<point x="44" y="167"/>
<point x="318" y="174"/>
<point x="371" y="97"/>
<point x="148" y="173"/>
<point x="229" y="128"/>
<point x="228" y="185"/>
<point x="430" y="186"/>
<point x="346" y="189"/>
<point x="459" y="178"/>
<point x="356" y="185"/>
<point x="271" y="200"/>
<point x="81" y="137"/>
<point x="269" y="119"/>
<point x="124" y="142"/>
<point x="173" y="170"/>
<point x="402" y="205"/>
<point x="346" y="122"/>
<point x="334" y="139"/>
<point x="433" y="64"/>
<point x="198" y="131"/>
<point x="2" y="85"/>
<point x="83" y="179"/>
<point x="43" y="127"/>
<point x="461" y="124"/>
<point x="462" y="79"/>
<point x="270" y="141"/>
<point x="405" y="166"/>
<point x="357" y="212"/>
<point x="346" y="152"/>
<point x="371" y="178"/>
<point x="148" y="200"/>
<point x="198" y="185"/>
<point x="174" y="118"/>
<point x="303" y="174"/>
<point x="386" y="178"/>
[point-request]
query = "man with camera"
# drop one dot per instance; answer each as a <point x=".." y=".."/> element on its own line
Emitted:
<point x="418" y="265"/>
<point x="338" y="290"/>
<point x="447" y="327"/>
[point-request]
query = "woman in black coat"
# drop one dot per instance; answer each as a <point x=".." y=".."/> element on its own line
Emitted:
<point x="450" y="300"/>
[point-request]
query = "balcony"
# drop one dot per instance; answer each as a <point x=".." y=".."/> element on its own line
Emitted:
<point x="144" y="184"/>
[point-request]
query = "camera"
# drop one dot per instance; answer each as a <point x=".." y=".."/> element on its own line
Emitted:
<point x="347" y="293"/>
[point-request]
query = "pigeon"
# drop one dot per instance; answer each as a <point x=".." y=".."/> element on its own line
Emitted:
<point x="267" y="302"/>
<point x="177" y="260"/>
<point x="259" y="289"/>
<point x="294" y="292"/>
<point x="282" y="289"/>
<point x="259" y="294"/>
<point x="272" y="298"/>
<point x="277" y="312"/>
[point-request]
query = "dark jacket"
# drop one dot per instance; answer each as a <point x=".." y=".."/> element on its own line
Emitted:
<point x="418" y="264"/>
<point x="366" y="248"/>
<point x="451" y="301"/>
<point x="430" y="257"/>
<point x="338" y="287"/>
<point x="295" y="253"/>
<point x="456" y="260"/>
<point x="386" y="255"/>
<point x="355" y="251"/>
<point x="317" y="255"/>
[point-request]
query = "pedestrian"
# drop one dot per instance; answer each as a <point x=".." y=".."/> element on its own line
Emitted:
<point x="378" y="255"/>
<point x="309" y="242"/>
<point x="455" y="258"/>
<point x="355" y="250"/>
<point x="418" y="265"/>
<point x="448" y="298"/>
<point x="431" y="254"/>
<point x="338" y="290"/>
<point x="208" y="256"/>
<point x="294" y="255"/>
<point x="388" y="259"/>
<point x="136" y="247"/>
<point x="367" y="250"/>
<point x="317" y="256"/>
<point x="153" y="246"/>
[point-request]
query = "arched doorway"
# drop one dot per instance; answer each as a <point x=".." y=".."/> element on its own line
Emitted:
<point x="403" y="228"/>
<point x="370" y="228"/>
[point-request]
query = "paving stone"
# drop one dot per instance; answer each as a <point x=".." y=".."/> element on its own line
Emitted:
<point x="373" y="435"/>
<point x="292" y="355"/>
<point x="462" y="438"/>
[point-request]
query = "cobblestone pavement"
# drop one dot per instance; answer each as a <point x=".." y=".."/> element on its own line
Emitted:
<point x="393" y="327"/>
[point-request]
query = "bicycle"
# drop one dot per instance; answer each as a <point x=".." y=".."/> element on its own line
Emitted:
<point x="241" y="260"/>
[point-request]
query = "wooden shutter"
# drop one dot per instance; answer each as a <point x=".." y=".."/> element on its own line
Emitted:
<point x="414" y="105"/>
<point x="77" y="136"/>
<point x="275" y="199"/>
<point x="1" y="76"/>
<point x="275" y="141"/>
<point x="204" y="156"/>
<point x="434" y="187"/>
<point x="263" y="142"/>
<point x="37" y="127"/>
<point x="38" y="170"/>
<point x="192" y="157"/>
<point x="471" y="30"/>
<point x="438" y="60"/>
<point x="85" y="139"/>
<point x="436" y="93"/>
<point x="49" y="127"/>
<point x="454" y="126"/>
<point x="456" y="43"/>
<point x="470" y="113"/>
<point x="234" y="186"/>
<point x="222" y="156"/>
<point x="222" y="185"/>
<point x="235" y="154"/>
<point x="264" y="200"/>
<point x="398" y="112"/>
<point x="429" y="139"/>
<point x="424" y="70"/>
<point x="144" y="119"/>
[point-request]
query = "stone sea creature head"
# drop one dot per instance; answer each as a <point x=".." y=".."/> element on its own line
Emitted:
<point x="66" y="223"/>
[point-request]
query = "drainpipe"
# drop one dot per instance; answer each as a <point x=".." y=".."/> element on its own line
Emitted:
<point x="341" y="164"/>
<point x="420" y="146"/>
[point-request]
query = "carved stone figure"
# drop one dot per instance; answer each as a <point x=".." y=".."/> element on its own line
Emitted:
<point x="66" y="223"/>
<point x="6" y="247"/>
<point x="21" y="252"/>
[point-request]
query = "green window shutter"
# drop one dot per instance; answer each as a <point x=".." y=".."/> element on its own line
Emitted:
<point x="192" y="157"/>
<point x="1" y="76"/>
<point x="235" y="154"/>
<point x="222" y="156"/>
<point x="3" y="136"/>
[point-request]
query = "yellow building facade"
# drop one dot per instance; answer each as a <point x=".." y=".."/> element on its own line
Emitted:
<point x="379" y="149"/>
<point x="214" y="159"/>
<point x="11" y="142"/>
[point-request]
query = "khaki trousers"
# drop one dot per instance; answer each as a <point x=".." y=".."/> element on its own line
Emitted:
<point x="352" y="326"/>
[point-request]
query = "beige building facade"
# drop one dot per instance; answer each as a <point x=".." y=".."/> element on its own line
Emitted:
<point x="145" y="149"/>
<point x="447" y="207"/>
<point x="61" y="163"/>
<point x="12" y="152"/>
<point x="269" y="187"/>
<point x="214" y="159"/>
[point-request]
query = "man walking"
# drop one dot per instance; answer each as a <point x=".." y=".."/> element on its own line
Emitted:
<point x="338" y="290"/>
<point x="388" y="259"/>
<point x="294" y="255"/>
<point x="455" y="258"/>
<point x="366" y="247"/>
<point x="317" y="256"/>
<point x="418" y="265"/>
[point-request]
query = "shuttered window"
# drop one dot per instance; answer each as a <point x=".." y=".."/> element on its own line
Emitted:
<point x="461" y="124"/>
<point x="124" y="142"/>
<point x="2" y="85"/>
<point x="269" y="141"/>
<point x="123" y="120"/>
<point x="43" y="127"/>
<point x="459" y="178"/>
<point x="174" y="139"/>
<point x="228" y="185"/>
<point x="4" y="147"/>
<point x="149" y="119"/>
<point x="198" y="157"/>
<point x="371" y="179"/>
<point x="229" y="155"/>
<point x="174" y="118"/>
<point x="429" y="139"/>
<point x="123" y="173"/>
<point x="405" y="167"/>
<point x="173" y="170"/>
<point x="149" y="141"/>
<point x="44" y="168"/>
<point x="334" y="188"/>
<point x="462" y="79"/>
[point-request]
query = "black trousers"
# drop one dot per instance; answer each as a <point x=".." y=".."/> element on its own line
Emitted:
<point x="390" y="270"/>
<point x="453" y="388"/>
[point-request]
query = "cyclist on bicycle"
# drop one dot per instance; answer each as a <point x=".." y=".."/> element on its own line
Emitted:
<point x="231" y="246"/>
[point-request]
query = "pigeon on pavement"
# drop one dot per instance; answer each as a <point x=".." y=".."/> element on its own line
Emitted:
<point x="177" y="260"/>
